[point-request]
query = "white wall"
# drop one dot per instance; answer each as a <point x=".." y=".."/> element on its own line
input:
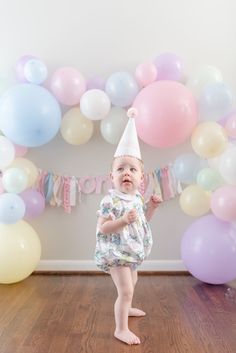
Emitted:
<point x="101" y="37"/>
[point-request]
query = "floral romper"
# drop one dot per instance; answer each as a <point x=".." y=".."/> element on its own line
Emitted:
<point x="131" y="245"/>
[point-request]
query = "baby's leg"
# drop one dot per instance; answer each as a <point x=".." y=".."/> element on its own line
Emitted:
<point x="135" y="311"/>
<point x="123" y="281"/>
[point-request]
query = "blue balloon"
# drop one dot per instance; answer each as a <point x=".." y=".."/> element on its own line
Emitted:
<point x="187" y="166"/>
<point x="29" y="115"/>
<point x="12" y="208"/>
<point x="122" y="88"/>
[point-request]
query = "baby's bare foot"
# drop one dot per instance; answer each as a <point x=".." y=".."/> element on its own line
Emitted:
<point x="136" y="312"/>
<point x="127" y="336"/>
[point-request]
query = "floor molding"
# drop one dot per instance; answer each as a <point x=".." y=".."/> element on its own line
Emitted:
<point x="89" y="265"/>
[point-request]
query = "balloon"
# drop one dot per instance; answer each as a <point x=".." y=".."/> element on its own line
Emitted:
<point x="227" y="165"/>
<point x="208" y="250"/>
<point x="75" y="128"/>
<point x="166" y="114"/>
<point x="20" y="65"/>
<point x="209" y="139"/>
<point x="215" y="101"/>
<point x="34" y="203"/>
<point x="29" y="168"/>
<point x="68" y="85"/>
<point x="12" y="208"/>
<point x="29" y="115"/>
<point x="169" y="67"/>
<point x="96" y="82"/>
<point x="145" y="74"/>
<point x="205" y="76"/>
<point x="20" y="251"/>
<point x="194" y="201"/>
<point x="7" y="152"/>
<point x="186" y="167"/>
<point x="223" y="203"/>
<point x="122" y="88"/>
<point x="14" y="180"/>
<point x="112" y="127"/>
<point x="209" y="179"/>
<point x="35" y="71"/>
<point x="215" y="161"/>
<point x="230" y="125"/>
<point x="95" y="104"/>
<point x="20" y="151"/>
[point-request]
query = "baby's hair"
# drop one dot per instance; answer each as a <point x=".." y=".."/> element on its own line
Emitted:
<point x="141" y="162"/>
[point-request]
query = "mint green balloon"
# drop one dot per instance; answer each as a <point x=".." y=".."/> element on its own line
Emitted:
<point x="209" y="179"/>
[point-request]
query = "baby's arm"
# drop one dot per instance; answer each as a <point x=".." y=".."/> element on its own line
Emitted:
<point x="152" y="204"/>
<point x="108" y="226"/>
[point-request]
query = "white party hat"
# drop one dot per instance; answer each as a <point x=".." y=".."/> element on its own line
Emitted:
<point x="129" y="145"/>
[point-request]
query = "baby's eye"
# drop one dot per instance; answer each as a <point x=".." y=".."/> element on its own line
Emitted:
<point x="133" y="169"/>
<point x="120" y="169"/>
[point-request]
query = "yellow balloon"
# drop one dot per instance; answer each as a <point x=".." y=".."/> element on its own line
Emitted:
<point x="209" y="139"/>
<point x="195" y="201"/>
<point x="28" y="167"/>
<point x="75" y="128"/>
<point x="20" y="251"/>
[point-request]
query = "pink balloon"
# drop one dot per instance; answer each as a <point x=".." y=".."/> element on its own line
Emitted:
<point x="223" y="203"/>
<point x="68" y="85"/>
<point x="20" y="151"/>
<point x="230" y="125"/>
<point x="34" y="203"/>
<point x="20" y="67"/>
<point x="145" y="74"/>
<point x="167" y="114"/>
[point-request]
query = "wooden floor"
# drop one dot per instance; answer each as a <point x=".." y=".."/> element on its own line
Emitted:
<point x="74" y="314"/>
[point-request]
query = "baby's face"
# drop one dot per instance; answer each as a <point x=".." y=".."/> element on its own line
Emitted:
<point x="127" y="174"/>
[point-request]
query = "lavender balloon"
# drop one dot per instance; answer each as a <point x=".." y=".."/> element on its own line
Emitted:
<point x="20" y="65"/>
<point x="34" y="203"/>
<point x="169" y="67"/>
<point x="208" y="250"/>
<point x="96" y="82"/>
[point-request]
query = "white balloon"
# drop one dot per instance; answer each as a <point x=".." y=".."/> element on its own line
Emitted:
<point x="113" y="125"/>
<point x="95" y="104"/>
<point x="14" y="180"/>
<point x="7" y="152"/>
<point x="227" y="166"/>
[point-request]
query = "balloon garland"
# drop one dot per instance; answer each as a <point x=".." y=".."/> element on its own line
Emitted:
<point x="168" y="113"/>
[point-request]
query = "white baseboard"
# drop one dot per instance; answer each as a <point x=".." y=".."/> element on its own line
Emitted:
<point x="89" y="265"/>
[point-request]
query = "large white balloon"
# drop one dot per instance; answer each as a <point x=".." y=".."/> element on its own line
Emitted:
<point x="95" y="104"/>
<point x="227" y="166"/>
<point x="7" y="152"/>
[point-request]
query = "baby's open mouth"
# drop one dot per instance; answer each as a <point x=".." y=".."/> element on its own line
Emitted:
<point x="126" y="181"/>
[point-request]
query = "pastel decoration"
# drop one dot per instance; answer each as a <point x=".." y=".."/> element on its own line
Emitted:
<point x="87" y="184"/>
<point x="14" y="180"/>
<point x="230" y="125"/>
<point x="187" y="166"/>
<point x="28" y="167"/>
<point x="209" y="179"/>
<point x="122" y="88"/>
<point x="223" y="203"/>
<point x="208" y="250"/>
<point x="194" y="201"/>
<point x="35" y="71"/>
<point x="145" y="74"/>
<point x="215" y="101"/>
<point x="20" y="151"/>
<point x="1" y="187"/>
<point x="20" y="66"/>
<point x="167" y="114"/>
<point x="29" y="115"/>
<point x="100" y="181"/>
<point x="68" y="85"/>
<point x="203" y="77"/>
<point x="95" y="104"/>
<point x="20" y="251"/>
<point x="34" y="203"/>
<point x="96" y="82"/>
<point x="113" y="125"/>
<point x="76" y="129"/>
<point x="12" y="208"/>
<point x="209" y="139"/>
<point x="169" y="67"/>
<point x="7" y="152"/>
<point x="227" y="166"/>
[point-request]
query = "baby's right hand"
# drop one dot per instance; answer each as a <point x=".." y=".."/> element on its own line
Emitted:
<point x="130" y="216"/>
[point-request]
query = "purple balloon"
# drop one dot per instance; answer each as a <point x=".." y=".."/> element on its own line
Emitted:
<point x="169" y="67"/>
<point x="208" y="250"/>
<point x="20" y="67"/>
<point x="96" y="83"/>
<point x="34" y="203"/>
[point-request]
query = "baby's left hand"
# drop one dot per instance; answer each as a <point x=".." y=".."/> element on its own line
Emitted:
<point x="155" y="201"/>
